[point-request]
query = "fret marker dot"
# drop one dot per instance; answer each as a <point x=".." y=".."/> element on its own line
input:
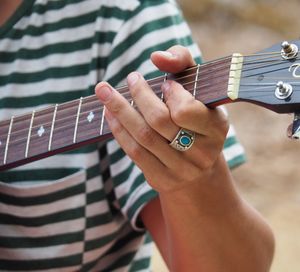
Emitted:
<point x="41" y="131"/>
<point x="90" y="117"/>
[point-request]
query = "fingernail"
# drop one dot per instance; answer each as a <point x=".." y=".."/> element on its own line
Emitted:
<point x="166" y="54"/>
<point x="166" y="86"/>
<point x="132" y="78"/>
<point x="104" y="93"/>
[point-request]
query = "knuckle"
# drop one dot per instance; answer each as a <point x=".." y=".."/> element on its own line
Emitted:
<point x="116" y="107"/>
<point x="146" y="136"/>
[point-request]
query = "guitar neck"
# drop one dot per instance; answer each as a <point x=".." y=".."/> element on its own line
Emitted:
<point x="67" y="126"/>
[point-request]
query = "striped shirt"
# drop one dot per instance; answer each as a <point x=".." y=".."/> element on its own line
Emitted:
<point x="78" y="211"/>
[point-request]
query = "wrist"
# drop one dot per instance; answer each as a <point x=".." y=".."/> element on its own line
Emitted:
<point x="214" y="192"/>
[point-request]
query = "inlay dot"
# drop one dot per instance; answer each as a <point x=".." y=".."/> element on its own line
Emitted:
<point x="41" y="131"/>
<point x="90" y="117"/>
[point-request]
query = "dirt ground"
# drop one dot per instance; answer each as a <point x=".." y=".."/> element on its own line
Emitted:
<point x="270" y="180"/>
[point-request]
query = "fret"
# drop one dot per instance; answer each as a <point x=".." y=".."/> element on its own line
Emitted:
<point x="102" y="121"/>
<point x="29" y="134"/>
<point x="91" y="120"/>
<point x="7" y="140"/>
<point x="52" y="127"/>
<point x="17" y="138"/>
<point x="40" y="132"/>
<point x="65" y="124"/>
<point x="77" y="119"/>
<point x="196" y="80"/>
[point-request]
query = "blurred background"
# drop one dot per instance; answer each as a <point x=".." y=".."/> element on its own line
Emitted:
<point x="270" y="180"/>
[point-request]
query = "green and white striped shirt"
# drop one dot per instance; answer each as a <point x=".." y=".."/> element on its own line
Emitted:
<point x="78" y="211"/>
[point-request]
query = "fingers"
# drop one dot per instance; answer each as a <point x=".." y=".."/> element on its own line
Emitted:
<point x="174" y="60"/>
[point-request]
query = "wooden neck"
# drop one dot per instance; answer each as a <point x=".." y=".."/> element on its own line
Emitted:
<point x="73" y="124"/>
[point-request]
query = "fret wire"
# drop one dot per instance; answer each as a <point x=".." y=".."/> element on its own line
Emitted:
<point x="196" y="81"/>
<point x="8" y="139"/>
<point x="29" y="134"/>
<point x="98" y="110"/>
<point x="52" y="127"/>
<point x="95" y="100"/>
<point x="102" y="120"/>
<point x="77" y="119"/>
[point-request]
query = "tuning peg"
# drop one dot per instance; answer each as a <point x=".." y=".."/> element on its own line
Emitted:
<point x="289" y="50"/>
<point x="294" y="129"/>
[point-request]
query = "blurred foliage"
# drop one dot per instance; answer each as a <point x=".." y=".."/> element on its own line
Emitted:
<point x="281" y="16"/>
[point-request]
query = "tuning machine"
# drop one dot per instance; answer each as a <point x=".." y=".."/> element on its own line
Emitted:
<point x="289" y="50"/>
<point x="294" y="128"/>
<point x="283" y="90"/>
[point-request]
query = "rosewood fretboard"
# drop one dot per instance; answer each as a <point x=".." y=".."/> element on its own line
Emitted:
<point x="73" y="124"/>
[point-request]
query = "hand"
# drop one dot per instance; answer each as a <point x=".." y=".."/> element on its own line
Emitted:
<point x="145" y="134"/>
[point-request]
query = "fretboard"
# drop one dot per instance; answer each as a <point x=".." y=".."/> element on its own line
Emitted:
<point x="67" y="126"/>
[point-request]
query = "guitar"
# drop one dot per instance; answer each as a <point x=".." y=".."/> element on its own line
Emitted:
<point x="270" y="78"/>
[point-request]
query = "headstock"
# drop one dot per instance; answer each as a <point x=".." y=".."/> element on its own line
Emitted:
<point x="271" y="78"/>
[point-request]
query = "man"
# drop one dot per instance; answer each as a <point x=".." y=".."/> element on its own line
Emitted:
<point x="87" y="210"/>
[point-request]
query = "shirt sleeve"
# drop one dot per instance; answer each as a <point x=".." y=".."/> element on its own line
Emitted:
<point x="151" y="26"/>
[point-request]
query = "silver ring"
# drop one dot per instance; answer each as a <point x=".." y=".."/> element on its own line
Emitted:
<point x="183" y="140"/>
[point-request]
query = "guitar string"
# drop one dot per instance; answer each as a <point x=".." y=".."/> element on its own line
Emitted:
<point x="160" y="83"/>
<point x="201" y="77"/>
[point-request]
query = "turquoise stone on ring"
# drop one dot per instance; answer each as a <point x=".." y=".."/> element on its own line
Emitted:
<point x="183" y="140"/>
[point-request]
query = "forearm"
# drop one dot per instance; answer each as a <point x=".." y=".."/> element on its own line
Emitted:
<point x="210" y="228"/>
